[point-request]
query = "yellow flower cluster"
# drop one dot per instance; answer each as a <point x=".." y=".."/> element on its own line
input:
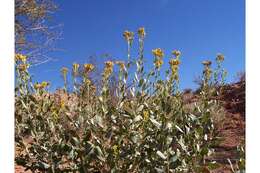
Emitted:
<point x="23" y="67"/>
<point x="20" y="57"/>
<point x="121" y="65"/>
<point x="64" y="70"/>
<point x="146" y="115"/>
<point x="220" y="57"/>
<point x="174" y="65"/>
<point x="62" y="103"/>
<point x="207" y="71"/>
<point x="88" y="67"/>
<point x="176" y="53"/>
<point x="174" y="62"/>
<point x="42" y="85"/>
<point x="115" y="150"/>
<point x="75" y="69"/>
<point x="129" y="36"/>
<point x="158" y="52"/>
<point x="108" y="69"/>
<point x="158" y="62"/>
<point x="206" y="63"/>
<point x="141" y="32"/>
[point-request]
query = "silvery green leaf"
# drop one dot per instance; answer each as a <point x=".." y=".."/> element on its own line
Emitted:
<point x="76" y="140"/>
<point x="147" y="160"/>
<point x="198" y="147"/>
<point x="99" y="153"/>
<point x="241" y="171"/>
<point x="160" y="154"/>
<point x="140" y="108"/>
<point x="231" y="165"/>
<point x="205" y="137"/>
<point x="156" y="123"/>
<point x="169" y="140"/>
<point x="137" y="153"/>
<point x="136" y="77"/>
<point x="174" y="158"/>
<point x="125" y="115"/>
<point x="71" y="154"/>
<point x="100" y="98"/>
<point x="187" y="129"/>
<point x="159" y="170"/>
<point x="137" y="118"/>
<point x="169" y="125"/>
<point x="141" y="82"/>
<point x="193" y="117"/>
<point x="179" y="128"/>
<point x="181" y="142"/>
<point x="121" y="104"/>
<point x="44" y="165"/>
<point x="132" y="91"/>
<point x="89" y="148"/>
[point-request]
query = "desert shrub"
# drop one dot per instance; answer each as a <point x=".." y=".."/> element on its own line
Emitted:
<point x="143" y="128"/>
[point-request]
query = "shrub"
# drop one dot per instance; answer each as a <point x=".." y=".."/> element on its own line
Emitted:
<point x="143" y="128"/>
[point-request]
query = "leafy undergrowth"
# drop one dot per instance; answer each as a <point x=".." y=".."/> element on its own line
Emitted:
<point x="232" y="131"/>
<point x="146" y="125"/>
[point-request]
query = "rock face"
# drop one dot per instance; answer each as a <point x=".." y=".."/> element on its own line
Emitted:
<point x="234" y="97"/>
<point x="232" y="131"/>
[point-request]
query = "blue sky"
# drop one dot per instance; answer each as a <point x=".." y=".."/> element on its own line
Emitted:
<point x="199" y="29"/>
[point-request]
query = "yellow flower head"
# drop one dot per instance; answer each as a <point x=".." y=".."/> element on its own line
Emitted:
<point x="146" y="115"/>
<point x="23" y="67"/>
<point x="121" y="65"/>
<point x="75" y="68"/>
<point x="158" y="63"/>
<point x="174" y="62"/>
<point x="141" y="32"/>
<point x="89" y="67"/>
<point x="45" y="84"/>
<point x="115" y="150"/>
<point x="220" y="57"/>
<point x="206" y="63"/>
<point x="108" y="69"/>
<point x="64" y="70"/>
<point x="158" y="52"/>
<point x="62" y="103"/>
<point x="42" y="85"/>
<point x="37" y="86"/>
<point x="129" y="36"/>
<point x="109" y="64"/>
<point x="20" y="57"/>
<point x="87" y="81"/>
<point x="176" y="53"/>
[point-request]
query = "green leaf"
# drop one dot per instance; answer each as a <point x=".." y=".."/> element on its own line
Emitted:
<point x="174" y="158"/>
<point x="77" y="142"/>
<point x="213" y="165"/>
<point x="99" y="153"/>
<point x="43" y="165"/>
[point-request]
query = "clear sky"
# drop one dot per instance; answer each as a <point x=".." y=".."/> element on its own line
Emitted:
<point x="198" y="28"/>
